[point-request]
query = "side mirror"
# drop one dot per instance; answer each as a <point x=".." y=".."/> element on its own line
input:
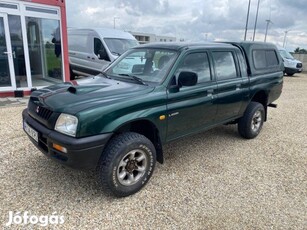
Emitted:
<point x="102" y="54"/>
<point x="187" y="79"/>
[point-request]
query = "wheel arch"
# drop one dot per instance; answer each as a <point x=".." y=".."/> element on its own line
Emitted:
<point x="146" y="128"/>
<point x="262" y="98"/>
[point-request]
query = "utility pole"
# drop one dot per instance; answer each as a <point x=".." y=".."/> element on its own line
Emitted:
<point x="285" y="37"/>
<point x="267" y="28"/>
<point x="256" y="20"/>
<point x="247" y="17"/>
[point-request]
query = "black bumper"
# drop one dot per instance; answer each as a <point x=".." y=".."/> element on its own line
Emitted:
<point x="82" y="153"/>
<point x="292" y="70"/>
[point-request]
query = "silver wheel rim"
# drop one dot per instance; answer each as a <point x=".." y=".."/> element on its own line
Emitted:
<point x="256" y="121"/>
<point x="132" y="167"/>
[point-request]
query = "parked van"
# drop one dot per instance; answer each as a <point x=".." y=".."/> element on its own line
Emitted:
<point x="91" y="50"/>
<point x="292" y="65"/>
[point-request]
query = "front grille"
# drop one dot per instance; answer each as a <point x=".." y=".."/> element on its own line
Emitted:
<point x="299" y="65"/>
<point x="40" y="111"/>
<point x="44" y="113"/>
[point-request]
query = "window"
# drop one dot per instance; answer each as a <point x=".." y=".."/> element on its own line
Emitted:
<point x="264" y="58"/>
<point x="97" y="46"/>
<point x="45" y="50"/>
<point x="197" y="63"/>
<point x="225" y="67"/>
<point x="150" y="65"/>
<point x="259" y="59"/>
<point x="271" y="58"/>
<point x="118" y="46"/>
<point x="41" y="10"/>
<point x="9" y="6"/>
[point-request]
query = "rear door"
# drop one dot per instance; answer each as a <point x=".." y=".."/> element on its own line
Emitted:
<point x="232" y="89"/>
<point x="192" y="108"/>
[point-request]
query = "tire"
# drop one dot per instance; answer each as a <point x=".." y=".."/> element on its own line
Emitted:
<point x="290" y="74"/>
<point x="126" y="164"/>
<point x="249" y="126"/>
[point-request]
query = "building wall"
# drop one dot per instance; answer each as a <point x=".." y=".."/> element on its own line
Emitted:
<point x="34" y="52"/>
<point x="303" y="59"/>
<point x="144" y="38"/>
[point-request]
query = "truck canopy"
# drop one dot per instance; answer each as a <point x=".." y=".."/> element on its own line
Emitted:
<point x="261" y="58"/>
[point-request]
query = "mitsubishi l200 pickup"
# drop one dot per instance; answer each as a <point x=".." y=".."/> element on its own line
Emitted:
<point x="118" y="121"/>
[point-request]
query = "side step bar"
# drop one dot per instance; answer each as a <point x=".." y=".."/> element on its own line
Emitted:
<point x="273" y="105"/>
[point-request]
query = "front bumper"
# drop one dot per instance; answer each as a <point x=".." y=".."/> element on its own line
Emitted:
<point x="82" y="153"/>
<point x="292" y="70"/>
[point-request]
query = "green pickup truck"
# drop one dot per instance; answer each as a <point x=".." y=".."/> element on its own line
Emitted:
<point x="118" y="121"/>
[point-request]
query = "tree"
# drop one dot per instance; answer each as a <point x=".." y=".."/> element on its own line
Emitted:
<point x="298" y="50"/>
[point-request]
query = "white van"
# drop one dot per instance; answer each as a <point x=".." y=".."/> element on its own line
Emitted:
<point x="292" y="65"/>
<point x="91" y="50"/>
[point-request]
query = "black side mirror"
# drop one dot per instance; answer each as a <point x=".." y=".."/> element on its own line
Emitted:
<point x="102" y="54"/>
<point x="187" y="79"/>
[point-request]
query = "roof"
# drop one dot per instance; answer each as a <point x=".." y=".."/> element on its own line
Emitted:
<point x="105" y="32"/>
<point x="183" y="45"/>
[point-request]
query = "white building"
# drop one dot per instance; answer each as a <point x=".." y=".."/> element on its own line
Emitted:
<point x="144" y="38"/>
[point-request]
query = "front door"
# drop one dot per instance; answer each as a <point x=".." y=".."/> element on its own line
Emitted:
<point x="192" y="108"/>
<point x="7" y="74"/>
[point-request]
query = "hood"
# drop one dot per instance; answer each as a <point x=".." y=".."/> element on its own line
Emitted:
<point x="87" y="93"/>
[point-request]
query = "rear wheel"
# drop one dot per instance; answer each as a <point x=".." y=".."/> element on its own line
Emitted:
<point x="249" y="126"/>
<point x="126" y="164"/>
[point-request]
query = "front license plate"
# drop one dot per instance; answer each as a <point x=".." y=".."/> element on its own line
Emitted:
<point x="30" y="131"/>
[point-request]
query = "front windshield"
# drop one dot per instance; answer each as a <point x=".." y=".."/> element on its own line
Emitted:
<point x="148" y="64"/>
<point x="285" y="54"/>
<point x="118" y="46"/>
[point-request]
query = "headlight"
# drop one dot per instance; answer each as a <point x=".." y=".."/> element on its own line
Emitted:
<point x="67" y="124"/>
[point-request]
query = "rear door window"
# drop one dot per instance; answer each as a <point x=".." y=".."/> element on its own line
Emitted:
<point x="225" y="67"/>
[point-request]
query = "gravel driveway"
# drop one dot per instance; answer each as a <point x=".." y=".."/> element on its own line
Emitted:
<point x="213" y="180"/>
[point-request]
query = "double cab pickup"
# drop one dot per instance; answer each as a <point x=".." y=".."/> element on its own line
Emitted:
<point x="118" y="121"/>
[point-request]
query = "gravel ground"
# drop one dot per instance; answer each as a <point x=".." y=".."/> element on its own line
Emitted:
<point x="213" y="180"/>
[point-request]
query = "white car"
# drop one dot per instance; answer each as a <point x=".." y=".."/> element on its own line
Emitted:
<point x="292" y="65"/>
<point x="92" y="50"/>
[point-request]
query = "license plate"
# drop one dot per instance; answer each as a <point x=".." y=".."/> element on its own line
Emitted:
<point x="30" y="131"/>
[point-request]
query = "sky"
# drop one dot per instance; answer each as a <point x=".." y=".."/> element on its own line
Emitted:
<point x="197" y="20"/>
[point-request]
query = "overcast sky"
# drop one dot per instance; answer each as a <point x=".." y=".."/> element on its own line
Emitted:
<point x="196" y="20"/>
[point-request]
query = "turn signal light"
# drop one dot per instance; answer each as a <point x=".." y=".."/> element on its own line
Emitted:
<point x="59" y="148"/>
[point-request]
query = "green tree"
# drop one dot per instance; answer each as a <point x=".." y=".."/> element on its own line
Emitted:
<point x="298" y="50"/>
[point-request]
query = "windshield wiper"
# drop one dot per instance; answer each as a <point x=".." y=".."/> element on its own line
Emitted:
<point x="118" y="54"/>
<point x="137" y="79"/>
<point x="105" y="74"/>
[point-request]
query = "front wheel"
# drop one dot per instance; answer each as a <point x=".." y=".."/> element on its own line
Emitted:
<point x="249" y="126"/>
<point x="126" y="164"/>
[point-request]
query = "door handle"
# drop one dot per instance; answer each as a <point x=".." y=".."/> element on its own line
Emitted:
<point x="210" y="92"/>
<point x="8" y="53"/>
<point x="238" y="86"/>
